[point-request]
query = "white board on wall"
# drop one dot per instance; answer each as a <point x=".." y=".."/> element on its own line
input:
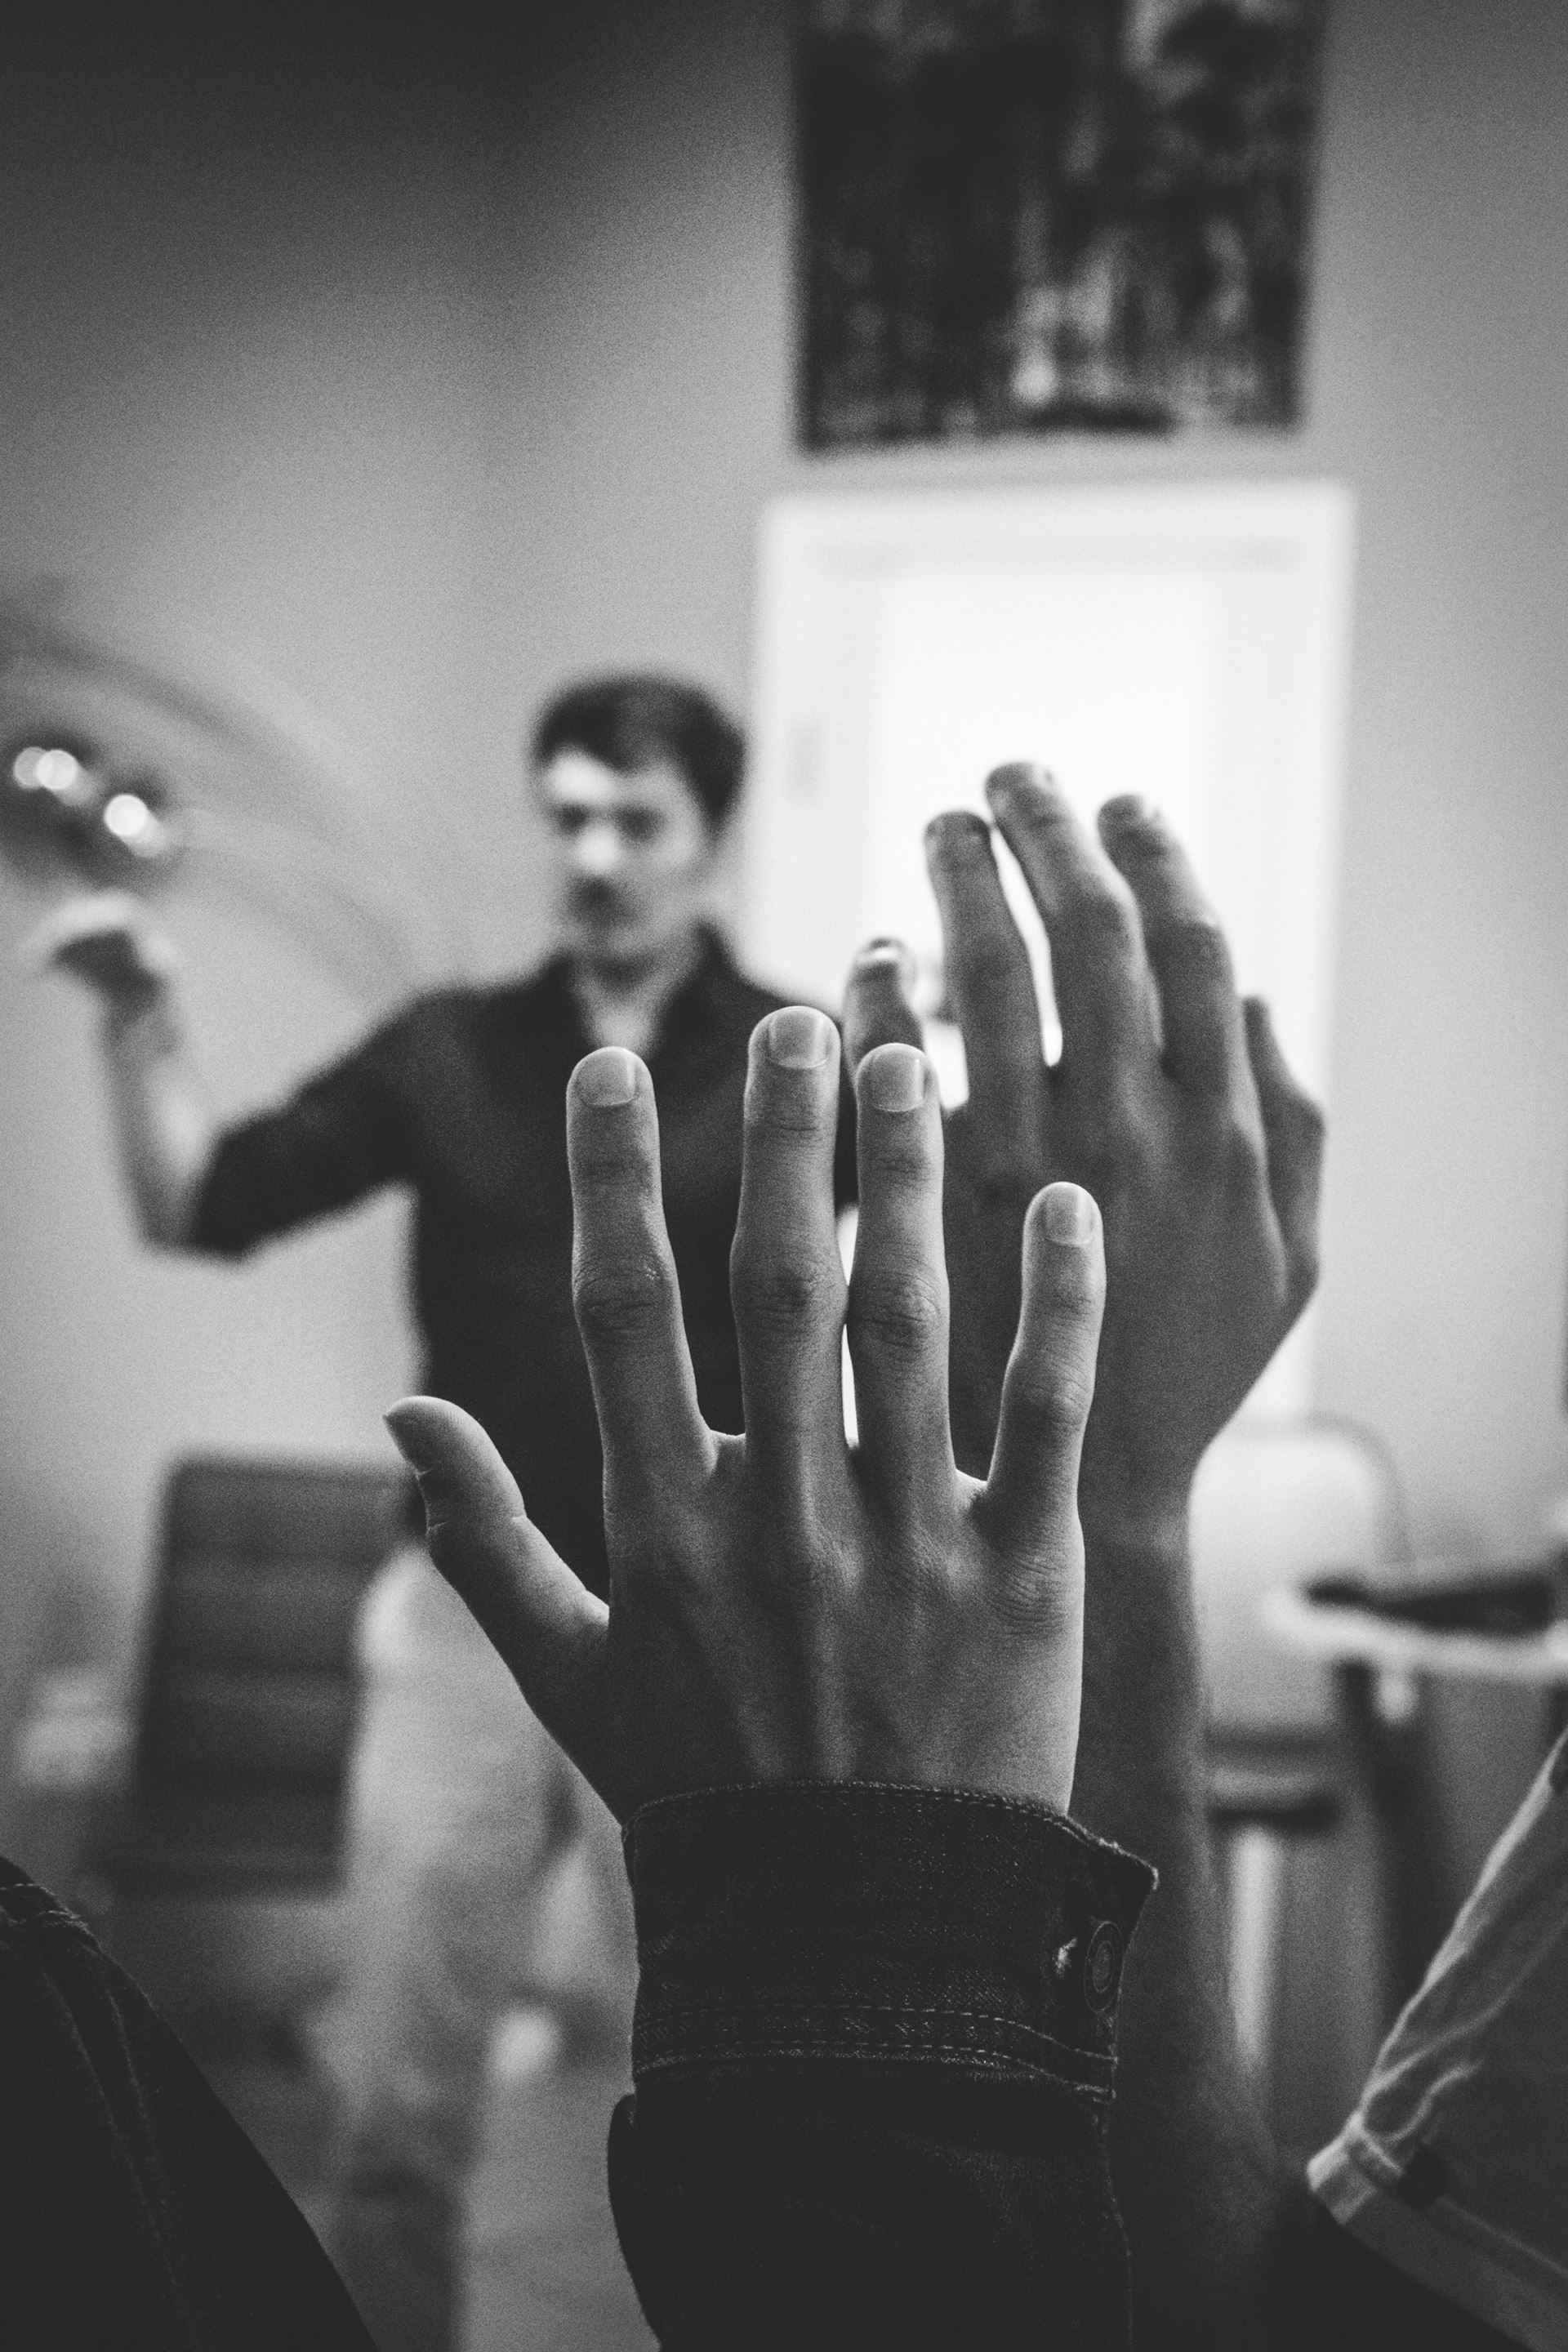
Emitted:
<point x="1188" y="642"/>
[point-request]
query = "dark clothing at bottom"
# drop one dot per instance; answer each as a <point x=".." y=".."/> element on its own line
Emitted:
<point x="134" y="2210"/>
<point x="874" y="2051"/>
<point x="872" y="2055"/>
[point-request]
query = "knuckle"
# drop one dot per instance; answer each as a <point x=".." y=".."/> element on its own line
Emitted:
<point x="1124" y="1130"/>
<point x="1238" y="1152"/>
<point x="621" y="1298"/>
<point x="1052" y="1400"/>
<point x="1305" y="1266"/>
<point x="989" y="957"/>
<point x="1076" y="1282"/>
<point x="604" y="1163"/>
<point x="1221" y="1152"/>
<point x="782" y="1292"/>
<point x="903" y="1313"/>
<point x="1312" y="1125"/>
<point x="1198" y="947"/>
<point x="1104" y="924"/>
<point x="778" y="1108"/>
<point x="900" y="1150"/>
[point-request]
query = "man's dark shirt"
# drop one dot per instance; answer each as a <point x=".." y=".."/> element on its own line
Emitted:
<point x="461" y="1097"/>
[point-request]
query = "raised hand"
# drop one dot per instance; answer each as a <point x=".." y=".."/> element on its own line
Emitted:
<point x="108" y="941"/>
<point x="1171" y="1102"/>
<point x="781" y="1608"/>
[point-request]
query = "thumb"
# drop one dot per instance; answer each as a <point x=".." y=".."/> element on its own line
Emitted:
<point x="542" y="1621"/>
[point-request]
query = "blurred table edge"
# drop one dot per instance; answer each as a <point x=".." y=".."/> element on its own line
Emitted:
<point x="1359" y="1637"/>
<point x="1381" y="1668"/>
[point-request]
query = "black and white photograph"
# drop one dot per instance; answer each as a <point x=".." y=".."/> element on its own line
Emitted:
<point x="783" y="1203"/>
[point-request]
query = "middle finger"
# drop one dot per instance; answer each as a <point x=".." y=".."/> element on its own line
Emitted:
<point x="898" y="1290"/>
<point x="1098" y="968"/>
<point x="786" y="1278"/>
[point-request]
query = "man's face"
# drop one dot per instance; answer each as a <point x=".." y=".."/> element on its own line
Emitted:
<point x="634" y="856"/>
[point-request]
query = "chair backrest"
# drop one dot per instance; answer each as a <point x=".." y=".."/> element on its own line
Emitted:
<point x="249" y="1677"/>
<point x="1277" y="1501"/>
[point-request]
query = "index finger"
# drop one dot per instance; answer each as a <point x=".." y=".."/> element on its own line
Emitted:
<point x="988" y="976"/>
<point x="876" y="1007"/>
<point x="1097" y="964"/>
<point x="1204" y="1044"/>
<point x="786" y="1278"/>
<point x="624" y="1284"/>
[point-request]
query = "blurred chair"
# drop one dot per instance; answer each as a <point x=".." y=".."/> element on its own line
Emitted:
<point x="1277" y="1502"/>
<point x="231" y="1811"/>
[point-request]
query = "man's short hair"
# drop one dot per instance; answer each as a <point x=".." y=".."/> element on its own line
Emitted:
<point x="639" y="720"/>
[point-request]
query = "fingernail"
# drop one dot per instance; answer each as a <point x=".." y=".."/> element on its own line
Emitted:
<point x="956" y="829"/>
<point x="1070" y="1216"/>
<point x="798" y="1038"/>
<point x="883" y="960"/>
<point x="896" y="1078"/>
<point x="1127" y="808"/>
<point x="400" y="1438"/>
<point x="1015" y="776"/>
<point x="607" y="1079"/>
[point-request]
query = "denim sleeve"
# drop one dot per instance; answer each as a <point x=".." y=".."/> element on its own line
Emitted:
<point x="873" y="2052"/>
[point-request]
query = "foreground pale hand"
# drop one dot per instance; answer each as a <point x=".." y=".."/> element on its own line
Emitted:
<point x="1171" y="1102"/>
<point x="781" y="1607"/>
<point x="108" y="941"/>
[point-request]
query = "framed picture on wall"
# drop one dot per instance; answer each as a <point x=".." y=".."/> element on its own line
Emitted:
<point x="1027" y="215"/>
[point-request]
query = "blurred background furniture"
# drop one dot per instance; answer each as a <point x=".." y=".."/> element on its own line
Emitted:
<point x="1383" y="1669"/>
<point x="207" y="1831"/>
<point x="198" y="1824"/>
<point x="1276" y="1502"/>
<point x="247" y="1689"/>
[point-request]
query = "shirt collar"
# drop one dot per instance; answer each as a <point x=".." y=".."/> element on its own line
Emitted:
<point x="687" y="1018"/>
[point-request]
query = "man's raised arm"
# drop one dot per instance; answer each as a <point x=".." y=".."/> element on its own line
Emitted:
<point x="162" y="1126"/>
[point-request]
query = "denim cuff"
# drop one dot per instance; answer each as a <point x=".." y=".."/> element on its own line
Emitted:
<point x="851" y="1924"/>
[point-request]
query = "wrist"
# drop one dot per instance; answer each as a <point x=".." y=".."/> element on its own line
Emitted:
<point x="1140" y="1750"/>
<point x="142" y="1008"/>
<point x="1134" y="1482"/>
<point x="1121" y="1515"/>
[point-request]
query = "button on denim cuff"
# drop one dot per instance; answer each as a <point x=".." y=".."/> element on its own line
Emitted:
<point x="864" y="1925"/>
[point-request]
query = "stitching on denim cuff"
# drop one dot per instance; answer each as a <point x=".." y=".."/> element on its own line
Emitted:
<point x="706" y="2057"/>
<point x="834" y="1794"/>
<point x="723" y="2037"/>
<point x="662" y="2019"/>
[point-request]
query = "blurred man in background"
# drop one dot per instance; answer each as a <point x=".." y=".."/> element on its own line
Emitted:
<point x="460" y="1803"/>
